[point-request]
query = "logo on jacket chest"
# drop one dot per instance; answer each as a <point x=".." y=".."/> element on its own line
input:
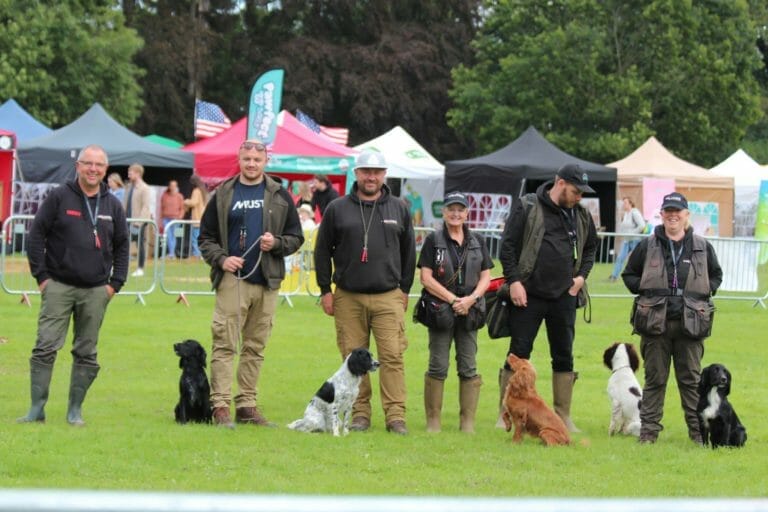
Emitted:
<point x="248" y="204"/>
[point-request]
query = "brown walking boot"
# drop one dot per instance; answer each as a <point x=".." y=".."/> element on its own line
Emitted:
<point x="252" y="416"/>
<point x="221" y="417"/>
<point x="397" y="427"/>
<point x="360" y="424"/>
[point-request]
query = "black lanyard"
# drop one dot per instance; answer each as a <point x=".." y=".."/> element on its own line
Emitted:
<point x="570" y="227"/>
<point x="94" y="215"/>
<point x="675" y="259"/>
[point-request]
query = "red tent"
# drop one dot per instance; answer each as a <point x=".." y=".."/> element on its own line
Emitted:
<point x="297" y="153"/>
<point x="7" y="153"/>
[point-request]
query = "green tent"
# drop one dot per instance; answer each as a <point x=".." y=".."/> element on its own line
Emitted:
<point x="164" y="141"/>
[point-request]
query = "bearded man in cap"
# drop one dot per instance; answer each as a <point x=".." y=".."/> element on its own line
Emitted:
<point x="547" y="251"/>
<point x="366" y="247"/>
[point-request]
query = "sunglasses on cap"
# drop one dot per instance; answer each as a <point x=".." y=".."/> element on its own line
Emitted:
<point x="258" y="146"/>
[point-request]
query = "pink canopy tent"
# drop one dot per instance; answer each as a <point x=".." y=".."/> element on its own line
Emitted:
<point x="297" y="153"/>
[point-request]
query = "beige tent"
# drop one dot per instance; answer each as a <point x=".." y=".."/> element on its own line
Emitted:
<point x="653" y="160"/>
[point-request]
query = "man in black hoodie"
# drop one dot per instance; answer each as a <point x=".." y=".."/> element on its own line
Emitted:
<point x="547" y="251"/>
<point x="78" y="253"/>
<point x="367" y="238"/>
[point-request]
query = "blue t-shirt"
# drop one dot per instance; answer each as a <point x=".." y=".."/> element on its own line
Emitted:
<point x="246" y="216"/>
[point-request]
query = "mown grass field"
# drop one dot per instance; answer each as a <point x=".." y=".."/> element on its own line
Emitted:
<point x="131" y="441"/>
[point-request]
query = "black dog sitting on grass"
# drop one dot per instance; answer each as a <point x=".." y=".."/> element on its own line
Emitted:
<point x="194" y="392"/>
<point x="719" y="424"/>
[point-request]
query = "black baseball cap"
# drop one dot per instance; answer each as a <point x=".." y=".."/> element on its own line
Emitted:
<point x="455" y="198"/>
<point x="576" y="176"/>
<point x="675" y="200"/>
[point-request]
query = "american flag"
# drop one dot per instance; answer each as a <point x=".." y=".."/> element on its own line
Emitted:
<point x="337" y="135"/>
<point x="210" y="120"/>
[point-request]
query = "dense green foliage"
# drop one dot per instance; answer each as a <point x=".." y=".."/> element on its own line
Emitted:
<point x="599" y="77"/>
<point x="58" y="58"/>
<point x="462" y="76"/>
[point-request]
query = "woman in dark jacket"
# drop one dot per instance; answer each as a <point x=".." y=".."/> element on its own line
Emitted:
<point x="454" y="265"/>
<point x="674" y="273"/>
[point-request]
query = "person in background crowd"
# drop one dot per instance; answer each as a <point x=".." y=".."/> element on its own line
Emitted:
<point x="138" y="199"/>
<point x="680" y="268"/>
<point x="171" y="208"/>
<point x="305" y="195"/>
<point x="116" y="186"/>
<point x="323" y="195"/>
<point x="306" y="215"/>
<point x="78" y="254"/>
<point x="632" y="223"/>
<point x="547" y="251"/>
<point x="455" y="267"/>
<point x="367" y="239"/>
<point x="196" y="205"/>
<point x="246" y="231"/>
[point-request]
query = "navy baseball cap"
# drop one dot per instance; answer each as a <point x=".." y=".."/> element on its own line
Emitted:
<point x="455" y="198"/>
<point x="675" y="200"/>
<point x="576" y="176"/>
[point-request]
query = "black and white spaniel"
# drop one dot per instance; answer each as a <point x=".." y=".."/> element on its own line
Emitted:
<point x="623" y="388"/>
<point x="194" y="400"/>
<point x="719" y="424"/>
<point x="330" y="410"/>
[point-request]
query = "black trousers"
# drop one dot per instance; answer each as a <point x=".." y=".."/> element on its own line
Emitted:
<point x="559" y="316"/>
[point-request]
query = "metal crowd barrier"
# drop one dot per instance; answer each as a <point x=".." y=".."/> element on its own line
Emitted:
<point x="143" y="238"/>
<point x="15" y="277"/>
<point x="182" y="270"/>
<point x="183" y="273"/>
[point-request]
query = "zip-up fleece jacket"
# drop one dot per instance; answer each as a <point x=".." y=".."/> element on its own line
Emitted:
<point x="391" y="245"/>
<point x="280" y="219"/>
<point x="553" y="269"/>
<point x="62" y="245"/>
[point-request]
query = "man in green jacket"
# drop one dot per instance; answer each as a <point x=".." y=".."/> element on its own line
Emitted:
<point x="246" y="230"/>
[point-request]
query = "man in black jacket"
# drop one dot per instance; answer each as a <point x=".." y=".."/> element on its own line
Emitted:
<point x="547" y="251"/>
<point x="367" y="237"/>
<point x="78" y="253"/>
<point x="323" y="195"/>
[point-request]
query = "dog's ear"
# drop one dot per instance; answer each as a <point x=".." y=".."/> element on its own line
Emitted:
<point x="527" y="376"/>
<point x="201" y="355"/>
<point x="634" y="358"/>
<point x="608" y="355"/>
<point x="705" y="382"/>
<point x="359" y="362"/>
<point x="727" y="381"/>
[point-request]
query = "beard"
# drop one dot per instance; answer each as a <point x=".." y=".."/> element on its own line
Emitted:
<point x="367" y="193"/>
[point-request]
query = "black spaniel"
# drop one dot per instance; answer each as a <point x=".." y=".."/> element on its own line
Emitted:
<point x="718" y="422"/>
<point x="194" y="392"/>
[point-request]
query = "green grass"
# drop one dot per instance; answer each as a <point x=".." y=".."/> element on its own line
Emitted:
<point x="131" y="441"/>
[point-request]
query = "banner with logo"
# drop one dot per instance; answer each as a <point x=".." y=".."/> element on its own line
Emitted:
<point x="266" y="96"/>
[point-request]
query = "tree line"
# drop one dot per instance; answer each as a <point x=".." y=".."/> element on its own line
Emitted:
<point x="596" y="77"/>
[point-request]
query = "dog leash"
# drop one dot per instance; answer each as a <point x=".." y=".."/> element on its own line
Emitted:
<point x="238" y="279"/>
